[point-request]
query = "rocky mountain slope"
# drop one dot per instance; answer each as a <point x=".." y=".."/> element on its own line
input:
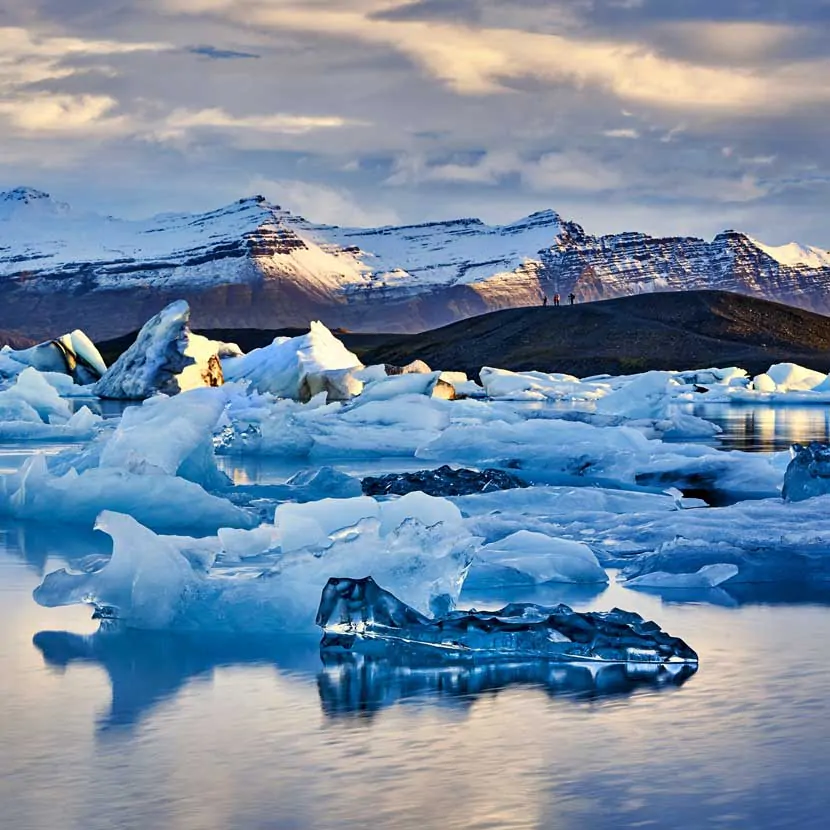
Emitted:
<point x="255" y="265"/>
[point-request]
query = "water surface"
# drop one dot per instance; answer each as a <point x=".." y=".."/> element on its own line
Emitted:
<point x="142" y="729"/>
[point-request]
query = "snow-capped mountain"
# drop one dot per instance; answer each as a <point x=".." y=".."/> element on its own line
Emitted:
<point x="254" y="265"/>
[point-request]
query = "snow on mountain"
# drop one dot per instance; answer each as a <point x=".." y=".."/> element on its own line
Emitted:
<point x="253" y="264"/>
<point x="794" y="254"/>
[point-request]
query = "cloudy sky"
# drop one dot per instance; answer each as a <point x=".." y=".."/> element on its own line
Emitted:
<point x="667" y="116"/>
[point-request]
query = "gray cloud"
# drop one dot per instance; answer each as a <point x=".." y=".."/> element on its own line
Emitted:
<point x="217" y="54"/>
<point x="667" y="116"/>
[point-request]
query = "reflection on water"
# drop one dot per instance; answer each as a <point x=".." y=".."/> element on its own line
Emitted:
<point x="147" y="667"/>
<point x="767" y="428"/>
<point x="133" y="730"/>
<point x="358" y="684"/>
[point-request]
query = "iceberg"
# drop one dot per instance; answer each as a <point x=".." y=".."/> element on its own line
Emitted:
<point x="526" y="556"/>
<point x="709" y="576"/>
<point x="299" y="367"/>
<point x="156" y="465"/>
<point x="256" y="580"/>
<point x="166" y="357"/>
<point x="357" y="614"/>
<point x="72" y="354"/>
<point x="32" y="409"/>
<point x="808" y="474"/>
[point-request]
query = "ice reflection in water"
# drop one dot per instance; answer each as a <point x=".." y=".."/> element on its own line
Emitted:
<point x="143" y="729"/>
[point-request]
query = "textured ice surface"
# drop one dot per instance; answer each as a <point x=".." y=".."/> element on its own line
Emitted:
<point x="541" y="447"/>
<point x="526" y="556"/>
<point x="299" y="367"/>
<point x="166" y="357"/>
<point x="358" y="613"/>
<point x="32" y="409"/>
<point x="709" y="576"/>
<point x="808" y="474"/>
<point x="247" y="581"/>
<point x="73" y="354"/>
<point x="768" y="540"/>
<point x="155" y="465"/>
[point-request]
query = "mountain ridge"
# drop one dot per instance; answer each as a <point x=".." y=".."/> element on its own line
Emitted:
<point x="253" y="264"/>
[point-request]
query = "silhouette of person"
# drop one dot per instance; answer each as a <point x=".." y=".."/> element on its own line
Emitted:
<point x="556" y="299"/>
<point x="544" y="299"/>
<point x="572" y="298"/>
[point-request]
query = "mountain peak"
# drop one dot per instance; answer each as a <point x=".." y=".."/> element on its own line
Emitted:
<point x="24" y="195"/>
<point x="26" y="198"/>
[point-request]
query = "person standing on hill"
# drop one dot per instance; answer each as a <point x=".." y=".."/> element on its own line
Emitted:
<point x="556" y="299"/>
<point x="544" y="299"/>
<point x="571" y="298"/>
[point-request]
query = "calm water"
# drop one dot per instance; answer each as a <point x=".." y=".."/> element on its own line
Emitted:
<point x="108" y="729"/>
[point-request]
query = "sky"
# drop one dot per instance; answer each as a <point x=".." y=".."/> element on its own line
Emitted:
<point x="663" y="116"/>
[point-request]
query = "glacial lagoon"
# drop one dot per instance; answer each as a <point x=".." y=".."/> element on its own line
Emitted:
<point x="137" y="729"/>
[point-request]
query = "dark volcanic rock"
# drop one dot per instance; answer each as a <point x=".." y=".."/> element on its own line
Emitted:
<point x="444" y="481"/>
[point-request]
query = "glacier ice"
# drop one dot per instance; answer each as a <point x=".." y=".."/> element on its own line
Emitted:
<point x="73" y="354"/>
<point x="32" y="409"/>
<point x="808" y="474"/>
<point x="256" y="580"/>
<point x="157" y="465"/>
<point x="357" y="613"/>
<point x="527" y="556"/>
<point x="166" y="357"/>
<point x="299" y="367"/>
<point x="709" y="576"/>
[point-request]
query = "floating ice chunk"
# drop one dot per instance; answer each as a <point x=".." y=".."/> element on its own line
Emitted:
<point x="304" y="525"/>
<point x="237" y="544"/>
<point x="646" y="396"/>
<point x="681" y="425"/>
<point x="166" y="357"/>
<point x="505" y="385"/>
<point x="788" y="377"/>
<point x="158" y="501"/>
<point x="709" y="576"/>
<point x="358" y="613"/>
<point x="33" y="390"/>
<point x="282" y="367"/>
<point x="145" y="579"/>
<point x="419" y="506"/>
<point x="72" y="354"/>
<point x="528" y="556"/>
<point x="410" y="383"/>
<point x="808" y="474"/>
<point x="171" y="436"/>
<point x="246" y="590"/>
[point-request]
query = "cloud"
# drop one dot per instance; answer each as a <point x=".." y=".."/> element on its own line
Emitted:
<point x="182" y="120"/>
<point x="61" y="113"/>
<point x="480" y="61"/>
<point x="621" y="133"/>
<point x="322" y="203"/>
<point x="550" y="172"/>
<point x="215" y="53"/>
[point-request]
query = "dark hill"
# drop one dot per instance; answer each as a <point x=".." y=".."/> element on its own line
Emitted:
<point x="15" y="340"/>
<point x="673" y="330"/>
<point x="678" y="330"/>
